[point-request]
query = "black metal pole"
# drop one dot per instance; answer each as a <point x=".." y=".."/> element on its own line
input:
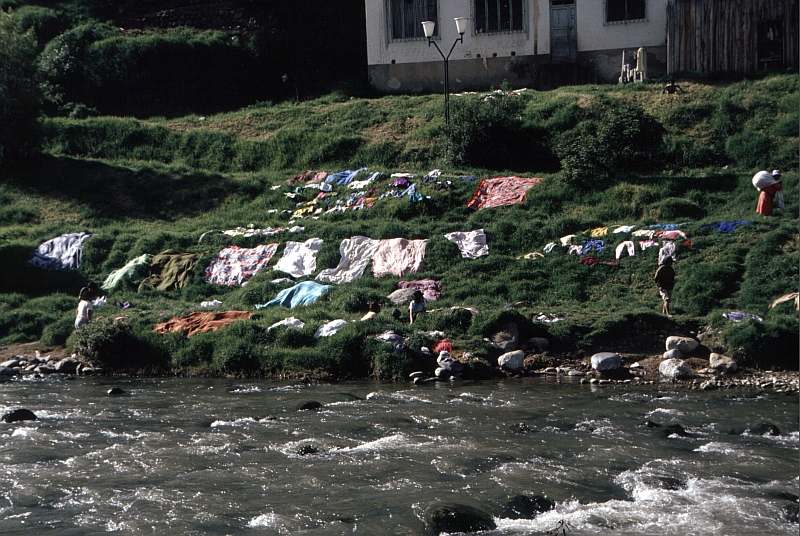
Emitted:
<point x="446" y="78"/>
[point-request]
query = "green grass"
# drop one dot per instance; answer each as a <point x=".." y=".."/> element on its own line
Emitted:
<point x="143" y="186"/>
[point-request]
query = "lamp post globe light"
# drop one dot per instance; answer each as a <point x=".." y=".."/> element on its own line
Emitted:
<point x="461" y="27"/>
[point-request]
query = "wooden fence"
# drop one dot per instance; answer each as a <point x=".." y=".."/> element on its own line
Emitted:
<point x="744" y="36"/>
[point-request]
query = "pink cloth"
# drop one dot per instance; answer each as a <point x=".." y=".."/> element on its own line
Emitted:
<point x="398" y="256"/>
<point x="235" y="266"/>
<point x="500" y="191"/>
<point x="431" y="289"/>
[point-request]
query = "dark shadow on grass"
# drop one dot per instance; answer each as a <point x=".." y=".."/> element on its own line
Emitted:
<point x="109" y="191"/>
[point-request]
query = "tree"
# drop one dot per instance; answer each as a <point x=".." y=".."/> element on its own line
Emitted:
<point x="20" y="92"/>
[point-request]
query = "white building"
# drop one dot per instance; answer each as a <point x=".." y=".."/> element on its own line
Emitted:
<point x="528" y="43"/>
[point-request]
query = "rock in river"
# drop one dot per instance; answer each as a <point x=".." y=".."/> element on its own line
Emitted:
<point x="457" y="518"/>
<point x="17" y="415"/>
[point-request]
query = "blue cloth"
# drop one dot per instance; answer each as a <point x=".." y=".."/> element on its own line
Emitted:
<point x="411" y="190"/>
<point x="738" y="316"/>
<point x="343" y="177"/>
<point x="726" y="226"/>
<point x="304" y="293"/>
<point x="588" y="245"/>
<point x="667" y="226"/>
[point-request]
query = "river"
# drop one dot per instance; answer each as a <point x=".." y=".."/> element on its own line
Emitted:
<point x="224" y="456"/>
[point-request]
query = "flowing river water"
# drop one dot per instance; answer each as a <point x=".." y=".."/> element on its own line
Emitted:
<point x="223" y="456"/>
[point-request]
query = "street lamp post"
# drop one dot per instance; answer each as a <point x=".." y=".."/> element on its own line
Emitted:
<point x="428" y="28"/>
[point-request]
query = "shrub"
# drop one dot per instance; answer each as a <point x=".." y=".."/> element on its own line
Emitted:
<point x="487" y="133"/>
<point x="114" y="346"/>
<point x="624" y="138"/>
<point x="771" y="344"/>
<point x="20" y="94"/>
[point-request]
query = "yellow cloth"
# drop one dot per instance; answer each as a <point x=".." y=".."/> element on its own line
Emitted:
<point x="599" y="231"/>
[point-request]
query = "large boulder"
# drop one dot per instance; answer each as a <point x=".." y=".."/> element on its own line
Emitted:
<point x="526" y="506"/>
<point x="67" y="365"/>
<point x="512" y="361"/>
<point x="722" y="363"/>
<point x="457" y="518"/>
<point x="685" y="344"/>
<point x="606" y="361"/>
<point x="17" y="415"/>
<point x="8" y="371"/>
<point x="10" y="363"/>
<point x="401" y="296"/>
<point x="675" y="368"/>
<point x="311" y="405"/>
<point x="507" y="337"/>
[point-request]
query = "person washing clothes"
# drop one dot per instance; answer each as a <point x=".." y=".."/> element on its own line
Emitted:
<point x="85" y="310"/>
<point x="417" y="306"/>
<point x="770" y="191"/>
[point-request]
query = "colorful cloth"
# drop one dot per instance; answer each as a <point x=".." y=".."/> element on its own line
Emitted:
<point x="566" y="240"/>
<point x="398" y="256"/>
<point x="299" y="258"/>
<point x="672" y="235"/>
<point x="599" y="231"/>
<point x="589" y="245"/>
<point x="236" y="266"/>
<point x="501" y="191"/>
<point x="132" y="271"/>
<point x="472" y="244"/>
<point x="195" y="323"/>
<point x="624" y="228"/>
<point x="62" y="253"/>
<point x="738" y="316"/>
<point x="576" y="249"/>
<point x="431" y="289"/>
<point x="726" y="226"/>
<point x="356" y="253"/>
<point x="644" y="244"/>
<point x="304" y="293"/>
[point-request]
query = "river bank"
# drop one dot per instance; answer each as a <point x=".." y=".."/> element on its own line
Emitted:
<point x="640" y="368"/>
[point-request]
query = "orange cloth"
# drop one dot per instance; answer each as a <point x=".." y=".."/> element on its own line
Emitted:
<point x="766" y="198"/>
<point x="200" y="322"/>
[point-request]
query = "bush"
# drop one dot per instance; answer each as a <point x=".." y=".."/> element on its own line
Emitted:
<point x="487" y="133"/>
<point x="771" y="344"/>
<point x="20" y="94"/>
<point x="623" y="139"/>
<point x="113" y="346"/>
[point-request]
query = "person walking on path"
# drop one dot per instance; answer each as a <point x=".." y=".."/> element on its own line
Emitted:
<point x="665" y="281"/>
<point x="770" y="191"/>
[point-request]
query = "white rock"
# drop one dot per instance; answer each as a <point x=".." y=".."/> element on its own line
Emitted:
<point x="675" y="368"/>
<point x="722" y="363"/>
<point x="606" y="361"/>
<point x="512" y="361"/>
<point x="685" y="344"/>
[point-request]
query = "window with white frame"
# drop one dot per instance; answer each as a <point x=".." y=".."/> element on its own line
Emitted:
<point x="492" y="16"/>
<point x="625" y="10"/>
<point x="406" y="17"/>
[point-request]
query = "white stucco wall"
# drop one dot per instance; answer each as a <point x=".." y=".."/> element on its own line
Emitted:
<point x="593" y="34"/>
<point x="381" y="51"/>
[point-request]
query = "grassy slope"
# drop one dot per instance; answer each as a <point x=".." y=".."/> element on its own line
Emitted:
<point x="146" y="185"/>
